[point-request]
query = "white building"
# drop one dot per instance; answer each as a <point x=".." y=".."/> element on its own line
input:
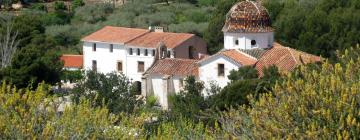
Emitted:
<point x="248" y="41"/>
<point x="166" y="77"/>
<point x="132" y="51"/>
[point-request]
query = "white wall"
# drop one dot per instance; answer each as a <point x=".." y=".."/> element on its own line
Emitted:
<point x="107" y="61"/>
<point x="208" y="70"/>
<point x="263" y="40"/>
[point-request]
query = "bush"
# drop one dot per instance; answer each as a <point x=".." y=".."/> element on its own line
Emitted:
<point x="190" y="101"/>
<point x="308" y="104"/>
<point x="27" y="114"/>
<point x="112" y="90"/>
<point x="92" y="13"/>
<point x="77" y="3"/>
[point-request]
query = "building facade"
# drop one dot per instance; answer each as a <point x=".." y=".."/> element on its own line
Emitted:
<point x="248" y="41"/>
<point x="132" y="51"/>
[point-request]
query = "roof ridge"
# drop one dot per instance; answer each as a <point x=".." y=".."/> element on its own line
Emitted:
<point x="136" y="37"/>
<point x="246" y="54"/>
<point x="291" y="53"/>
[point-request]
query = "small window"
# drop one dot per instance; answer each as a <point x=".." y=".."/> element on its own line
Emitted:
<point x="153" y="52"/>
<point x="138" y="52"/>
<point x="94" y="65"/>
<point x="146" y="52"/>
<point x="131" y="51"/>
<point x="236" y="42"/>
<point x="141" y="66"/>
<point x="221" y="70"/>
<point x="94" y="47"/>
<point x="119" y="66"/>
<point x="253" y="42"/>
<point x="191" y="52"/>
<point x="111" y="47"/>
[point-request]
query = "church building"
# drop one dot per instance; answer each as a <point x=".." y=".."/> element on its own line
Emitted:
<point x="248" y="41"/>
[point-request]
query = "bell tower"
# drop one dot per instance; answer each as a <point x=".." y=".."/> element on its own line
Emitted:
<point x="248" y="26"/>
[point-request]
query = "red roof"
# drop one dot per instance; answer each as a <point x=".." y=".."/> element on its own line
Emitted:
<point x="119" y="35"/>
<point x="137" y="37"/>
<point x="174" y="66"/>
<point x="285" y="58"/>
<point x="152" y="39"/>
<point x="72" y="61"/>
<point x="237" y="56"/>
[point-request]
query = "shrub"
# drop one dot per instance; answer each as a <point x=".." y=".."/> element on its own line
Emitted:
<point x="190" y="101"/>
<point x="308" y="104"/>
<point x="92" y="13"/>
<point x="112" y="90"/>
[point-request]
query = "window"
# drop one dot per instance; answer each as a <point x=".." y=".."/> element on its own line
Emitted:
<point x="191" y="52"/>
<point x="168" y="54"/>
<point x="236" y="42"/>
<point x="131" y="51"/>
<point x="94" y="47"/>
<point x="253" y="42"/>
<point x="111" y="47"/>
<point x="94" y="65"/>
<point x="138" y="51"/>
<point x="119" y="66"/>
<point x="141" y="66"/>
<point x="153" y="52"/>
<point x="221" y="70"/>
<point x="146" y="52"/>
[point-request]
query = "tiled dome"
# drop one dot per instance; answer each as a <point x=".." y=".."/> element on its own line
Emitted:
<point x="248" y="17"/>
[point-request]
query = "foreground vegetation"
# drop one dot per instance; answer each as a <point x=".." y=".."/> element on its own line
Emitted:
<point x="320" y="102"/>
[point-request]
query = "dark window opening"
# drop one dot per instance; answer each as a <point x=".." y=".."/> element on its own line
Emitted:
<point x="221" y="70"/>
<point x="138" y="51"/>
<point x="119" y="67"/>
<point x="94" y="65"/>
<point x="236" y="42"/>
<point x="153" y="52"/>
<point x="111" y="47"/>
<point x="138" y="87"/>
<point x="131" y="51"/>
<point x="191" y="52"/>
<point x="141" y="66"/>
<point x="94" y="47"/>
<point x="168" y="54"/>
<point x="146" y="52"/>
<point x="253" y="42"/>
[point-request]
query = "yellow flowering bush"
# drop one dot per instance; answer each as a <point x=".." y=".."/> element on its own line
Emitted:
<point x="26" y="114"/>
<point x="310" y="103"/>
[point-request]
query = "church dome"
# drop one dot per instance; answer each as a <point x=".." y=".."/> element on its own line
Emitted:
<point x="248" y="17"/>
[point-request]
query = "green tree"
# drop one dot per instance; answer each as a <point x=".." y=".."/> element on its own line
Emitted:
<point x="246" y="72"/>
<point x="77" y="3"/>
<point x="35" y="63"/>
<point x="213" y="34"/>
<point x="112" y="90"/>
<point x="190" y="101"/>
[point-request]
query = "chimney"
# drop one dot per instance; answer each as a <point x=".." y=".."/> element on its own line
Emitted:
<point x="159" y="29"/>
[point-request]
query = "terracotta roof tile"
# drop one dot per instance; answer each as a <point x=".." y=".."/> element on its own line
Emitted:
<point x="285" y="58"/>
<point x="72" y="61"/>
<point x="248" y="16"/>
<point x="235" y="55"/>
<point x="174" y="66"/>
<point x="152" y="39"/>
<point x="119" y="35"/>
